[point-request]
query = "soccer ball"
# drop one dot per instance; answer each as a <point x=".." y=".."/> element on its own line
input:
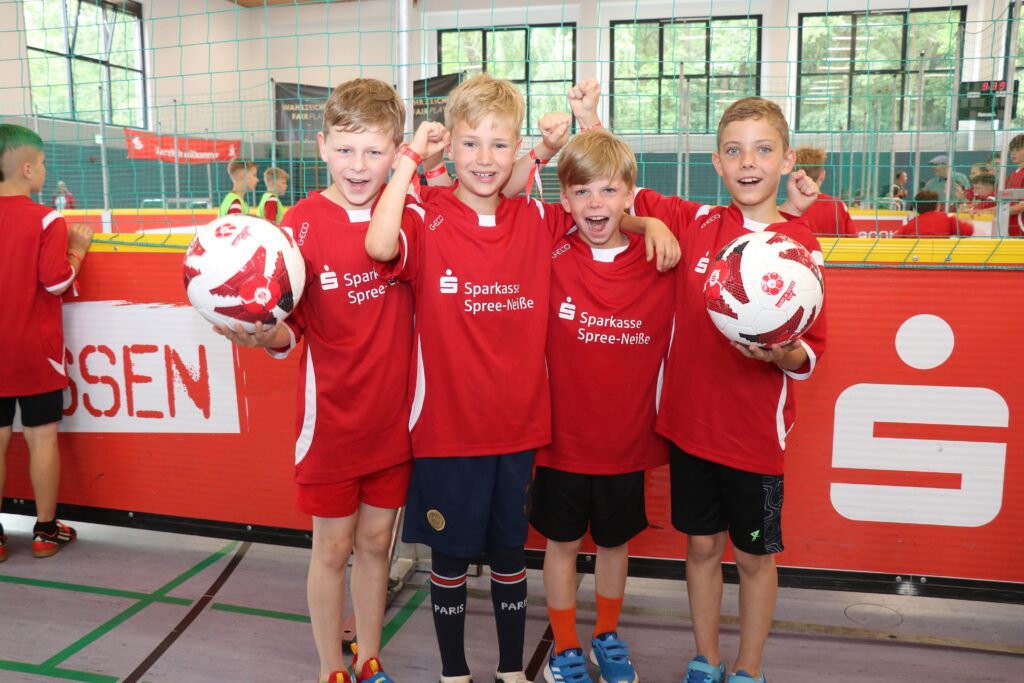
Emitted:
<point x="764" y="289"/>
<point x="243" y="269"/>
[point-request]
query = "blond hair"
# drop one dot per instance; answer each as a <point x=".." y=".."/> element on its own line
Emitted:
<point x="363" y="104"/>
<point x="481" y="95"/>
<point x="596" y="155"/>
<point x="274" y="173"/>
<point x="811" y="160"/>
<point x="756" y="108"/>
<point x="236" y="166"/>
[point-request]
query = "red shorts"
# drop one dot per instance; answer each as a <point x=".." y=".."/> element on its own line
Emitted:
<point x="384" y="489"/>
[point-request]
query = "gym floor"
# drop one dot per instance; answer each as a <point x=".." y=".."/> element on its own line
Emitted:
<point x="143" y="606"/>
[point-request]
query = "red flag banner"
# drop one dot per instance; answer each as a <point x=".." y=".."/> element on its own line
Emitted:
<point x="143" y="145"/>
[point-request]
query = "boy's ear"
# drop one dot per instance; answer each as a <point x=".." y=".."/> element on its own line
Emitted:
<point x="565" y="201"/>
<point x="398" y="155"/>
<point x="788" y="161"/>
<point x="716" y="161"/>
<point x="321" y="144"/>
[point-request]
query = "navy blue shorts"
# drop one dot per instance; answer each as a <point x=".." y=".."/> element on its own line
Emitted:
<point x="460" y="506"/>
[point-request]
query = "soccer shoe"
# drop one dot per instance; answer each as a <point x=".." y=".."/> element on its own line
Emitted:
<point x="742" y="676"/>
<point x="510" y="677"/>
<point x="567" y="666"/>
<point x="373" y="672"/>
<point x="45" y="545"/>
<point x="3" y="547"/>
<point x="339" y="677"/>
<point x="699" y="671"/>
<point x="612" y="657"/>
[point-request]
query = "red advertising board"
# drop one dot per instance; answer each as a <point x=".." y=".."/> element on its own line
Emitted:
<point x="183" y="150"/>
<point x="907" y="456"/>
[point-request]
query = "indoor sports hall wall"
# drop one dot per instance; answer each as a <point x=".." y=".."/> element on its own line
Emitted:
<point x="908" y="457"/>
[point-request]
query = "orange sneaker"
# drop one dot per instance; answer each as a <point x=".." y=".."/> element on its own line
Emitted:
<point x="45" y="545"/>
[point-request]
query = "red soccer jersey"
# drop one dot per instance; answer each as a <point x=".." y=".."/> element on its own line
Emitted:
<point x="34" y="266"/>
<point x="984" y="203"/>
<point x="828" y="216"/>
<point x="716" y="403"/>
<point x="608" y="334"/>
<point x="1016" y="182"/>
<point x="936" y="224"/>
<point x="481" y="286"/>
<point x="353" y="399"/>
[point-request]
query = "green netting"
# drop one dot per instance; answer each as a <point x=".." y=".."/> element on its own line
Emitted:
<point x="881" y="85"/>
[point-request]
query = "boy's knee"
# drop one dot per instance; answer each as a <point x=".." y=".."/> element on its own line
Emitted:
<point x="705" y="548"/>
<point x="749" y="563"/>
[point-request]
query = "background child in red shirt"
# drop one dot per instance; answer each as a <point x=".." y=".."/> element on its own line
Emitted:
<point x="40" y="260"/>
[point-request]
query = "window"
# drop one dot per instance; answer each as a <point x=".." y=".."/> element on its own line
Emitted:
<point x="1018" y="69"/>
<point x="539" y="60"/>
<point x="78" y="48"/>
<point x="859" y="71"/>
<point x="719" y="60"/>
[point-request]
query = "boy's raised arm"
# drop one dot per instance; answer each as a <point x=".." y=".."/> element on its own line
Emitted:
<point x="583" y="99"/>
<point x="386" y="222"/>
<point x="554" y="131"/>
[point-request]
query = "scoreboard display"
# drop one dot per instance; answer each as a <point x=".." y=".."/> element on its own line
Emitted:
<point x="985" y="100"/>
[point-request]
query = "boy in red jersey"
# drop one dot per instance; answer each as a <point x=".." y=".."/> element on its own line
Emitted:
<point x="725" y="407"/>
<point x="1016" y="182"/>
<point x="608" y="331"/>
<point x="41" y="259"/>
<point x="352" y="452"/>
<point x="932" y="221"/>
<point x="480" y="265"/>
<point x="828" y="215"/>
<point x="480" y="269"/>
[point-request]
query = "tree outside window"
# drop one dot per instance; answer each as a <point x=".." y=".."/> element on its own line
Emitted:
<point x="718" y="60"/>
<point x="77" y="47"/>
<point x="861" y="70"/>
<point x="539" y="60"/>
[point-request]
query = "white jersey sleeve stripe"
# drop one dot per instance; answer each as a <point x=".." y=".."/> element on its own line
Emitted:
<point x="305" y="439"/>
<point x="291" y="345"/>
<point x="421" y="388"/>
<point x="811" y="361"/>
<point x="780" y="417"/>
<point x="50" y="218"/>
<point x="61" y="286"/>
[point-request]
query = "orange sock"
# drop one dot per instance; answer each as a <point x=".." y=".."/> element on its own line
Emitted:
<point x="607" y="614"/>
<point x="563" y="625"/>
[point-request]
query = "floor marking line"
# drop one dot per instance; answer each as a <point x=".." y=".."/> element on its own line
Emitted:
<point x="93" y="590"/>
<point x="64" y="674"/>
<point x="398" y="621"/>
<point x="196" y="610"/>
<point x="131" y="611"/>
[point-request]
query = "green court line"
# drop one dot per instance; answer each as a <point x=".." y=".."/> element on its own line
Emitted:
<point x="93" y="590"/>
<point x="254" y="612"/>
<point x="389" y="631"/>
<point x="398" y="621"/>
<point x="50" y="664"/>
<point x="65" y="674"/>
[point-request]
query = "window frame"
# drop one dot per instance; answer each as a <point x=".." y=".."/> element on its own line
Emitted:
<point x="851" y="73"/>
<point x="527" y="82"/>
<point x="661" y="77"/>
<point x="131" y="9"/>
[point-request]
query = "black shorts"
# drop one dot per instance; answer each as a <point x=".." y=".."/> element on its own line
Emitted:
<point x="708" y="498"/>
<point x="564" y="504"/>
<point x="36" y="410"/>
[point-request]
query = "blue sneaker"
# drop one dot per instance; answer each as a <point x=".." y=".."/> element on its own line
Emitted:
<point x="699" y="671"/>
<point x="612" y="657"/>
<point x="567" y="666"/>
<point x="742" y="676"/>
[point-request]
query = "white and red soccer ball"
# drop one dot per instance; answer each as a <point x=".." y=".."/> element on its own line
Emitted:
<point x="243" y="269"/>
<point x="763" y="288"/>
